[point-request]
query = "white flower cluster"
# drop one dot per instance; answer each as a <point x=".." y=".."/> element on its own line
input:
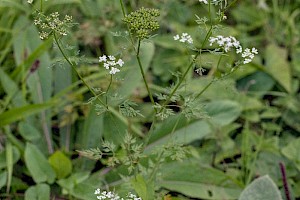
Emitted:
<point x="227" y="43"/>
<point x="203" y="1"/>
<point x="111" y="64"/>
<point x="184" y="38"/>
<point x="114" y="196"/>
<point x="248" y="55"/>
<point x="206" y="2"/>
<point x="52" y="23"/>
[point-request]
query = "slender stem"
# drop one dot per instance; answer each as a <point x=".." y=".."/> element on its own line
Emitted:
<point x="123" y="8"/>
<point x="284" y="180"/>
<point x="106" y="93"/>
<point x="192" y="63"/>
<point x="41" y="5"/>
<point x="74" y="68"/>
<point x="204" y="89"/>
<point x="143" y="74"/>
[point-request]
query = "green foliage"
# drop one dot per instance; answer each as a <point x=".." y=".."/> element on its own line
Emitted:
<point x="184" y="118"/>
<point x="261" y="188"/>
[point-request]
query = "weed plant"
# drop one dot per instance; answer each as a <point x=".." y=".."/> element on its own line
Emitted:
<point x="166" y="101"/>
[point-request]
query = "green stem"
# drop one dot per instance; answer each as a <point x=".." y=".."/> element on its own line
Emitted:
<point x="106" y="93"/>
<point x="74" y="68"/>
<point x="123" y="8"/>
<point x="143" y="74"/>
<point x="211" y="82"/>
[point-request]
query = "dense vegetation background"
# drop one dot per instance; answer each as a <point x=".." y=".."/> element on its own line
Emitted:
<point x="249" y="124"/>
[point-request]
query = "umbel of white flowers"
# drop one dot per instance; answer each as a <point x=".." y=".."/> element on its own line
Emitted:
<point x="110" y="63"/>
<point x="114" y="196"/>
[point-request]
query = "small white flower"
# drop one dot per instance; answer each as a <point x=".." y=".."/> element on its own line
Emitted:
<point x="97" y="191"/>
<point x="176" y="37"/>
<point x="203" y="1"/>
<point x="111" y="64"/>
<point x="106" y="65"/>
<point x="102" y="58"/>
<point x="185" y="37"/>
<point x="249" y="55"/>
<point x="114" y="70"/>
<point x="29" y="1"/>
<point x="120" y="62"/>
<point x="111" y="57"/>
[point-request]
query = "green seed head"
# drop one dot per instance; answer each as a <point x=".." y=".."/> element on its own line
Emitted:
<point x="142" y="22"/>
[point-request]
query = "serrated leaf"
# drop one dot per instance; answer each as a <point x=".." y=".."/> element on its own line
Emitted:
<point x="37" y="165"/>
<point x="262" y="188"/>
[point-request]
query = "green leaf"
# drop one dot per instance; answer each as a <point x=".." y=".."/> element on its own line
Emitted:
<point x="194" y="130"/>
<point x="16" y="114"/>
<point x="223" y="112"/>
<point x="292" y="152"/>
<point x="143" y="189"/>
<point x="61" y="164"/>
<point x="262" y="188"/>
<point x="38" y="192"/>
<point x="292" y="119"/>
<point x="257" y="82"/>
<point x="81" y="185"/>
<point x="9" y="162"/>
<point x="196" y="181"/>
<point x="3" y="179"/>
<point x="278" y="67"/>
<point x="114" y="129"/>
<point x="11" y="88"/>
<point x="37" y="164"/>
<point x="28" y="132"/>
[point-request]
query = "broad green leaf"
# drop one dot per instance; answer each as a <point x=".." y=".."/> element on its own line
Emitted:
<point x="259" y="82"/>
<point x="114" y="129"/>
<point x="40" y="81"/>
<point x="262" y="188"/>
<point x="28" y="132"/>
<point x="292" y="152"/>
<point x="192" y="131"/>
<point x="3" y="179"/>
<point x="16" y="114"/>
<point x="37" y="165"/>
<point x="223" y="112"/>
<point x="292" y="119"/>
<point x="81" y="185"/>
<point x="278" y="67"/>
<point x="61" y="164"/>
<point x="13" y="5"/>
<point x="142" y="188"/>
<point x="196" y="181"/>
<point x="38" y="192"/>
